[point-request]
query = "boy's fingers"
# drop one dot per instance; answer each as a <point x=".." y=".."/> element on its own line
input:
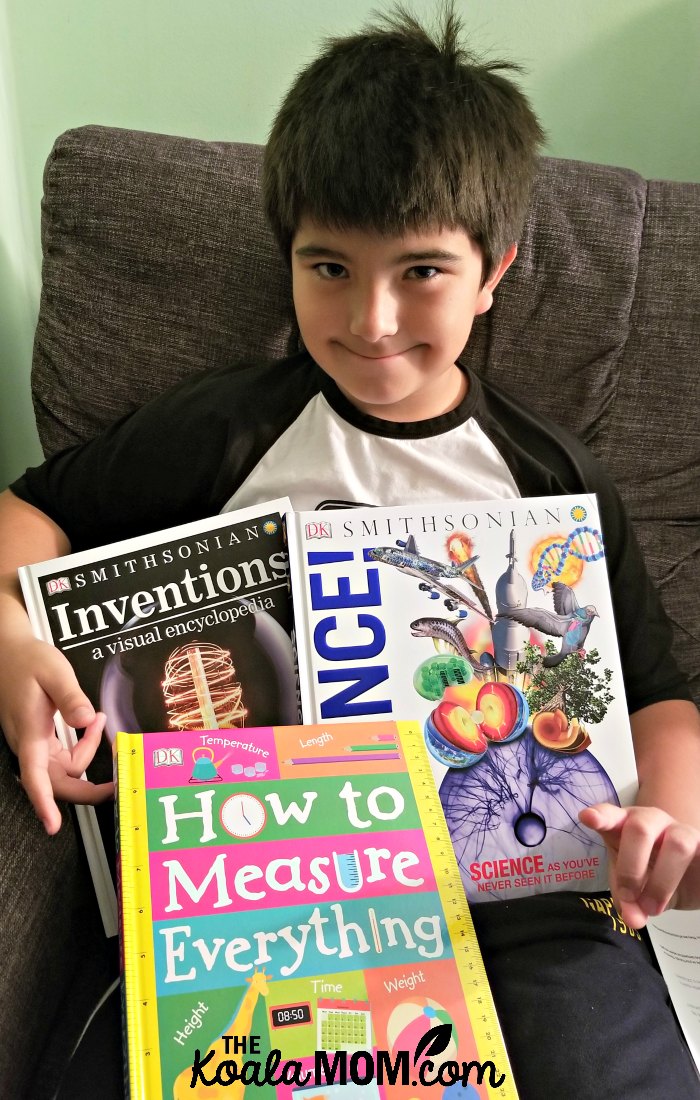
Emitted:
<point x="82" y="754"/>
<point x="44" y="784"/>
<point x="652" y="853"/>
<point x="678" y="848"/>
<point x="630" y="837"/>
<point x="79" y="791"/>
<point x="636" y="853"/>
<point x="34" y="772"/>
<point x="67" y="771"/>
<point x="47" y="774"/>
<point x="606" y="819"/>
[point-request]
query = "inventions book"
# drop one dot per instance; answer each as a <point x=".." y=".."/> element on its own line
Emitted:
<point x="189" y="627"/>
<point x="491" y="624"/>
<point x="292" y="913"/>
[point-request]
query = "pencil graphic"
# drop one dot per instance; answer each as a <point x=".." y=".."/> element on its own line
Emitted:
<point x="371" y="748"/>
<point x="375" y="930"/>
<point x="341" y="759"/>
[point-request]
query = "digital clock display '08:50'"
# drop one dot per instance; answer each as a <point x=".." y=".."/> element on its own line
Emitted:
<point x="287" y="1015"/>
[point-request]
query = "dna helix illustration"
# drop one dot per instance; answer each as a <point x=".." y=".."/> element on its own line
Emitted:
<point x="585" y="543"/>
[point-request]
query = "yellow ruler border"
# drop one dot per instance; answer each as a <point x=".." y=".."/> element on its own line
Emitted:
<point x="467" y="954"/>
<point x="141" y="1004"/>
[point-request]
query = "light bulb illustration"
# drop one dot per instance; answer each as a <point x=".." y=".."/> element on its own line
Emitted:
<point x="200" y="689"/>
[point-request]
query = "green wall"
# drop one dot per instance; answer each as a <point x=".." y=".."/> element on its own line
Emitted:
<point x="615" y="81"/>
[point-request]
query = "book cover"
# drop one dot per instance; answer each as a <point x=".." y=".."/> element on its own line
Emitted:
<point x="490" y="623"/>
<point x="296" y="906"/>
<point x="187" y="627"/>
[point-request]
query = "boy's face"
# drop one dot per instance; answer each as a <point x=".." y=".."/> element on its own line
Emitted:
<point x="386" y="317"/>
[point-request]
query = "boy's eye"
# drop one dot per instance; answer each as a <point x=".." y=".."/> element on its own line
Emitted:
<point x="422" y="272"/>
<point x="330" y="270"/>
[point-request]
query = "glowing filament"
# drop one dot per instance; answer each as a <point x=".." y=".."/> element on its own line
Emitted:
<point x="200" y="689"/>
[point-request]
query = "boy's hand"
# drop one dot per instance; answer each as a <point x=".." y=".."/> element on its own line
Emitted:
<point x="36" y="680"/>
<point x="654" y="860"/>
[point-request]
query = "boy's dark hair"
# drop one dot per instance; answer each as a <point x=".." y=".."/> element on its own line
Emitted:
<point x="394" y="129"/>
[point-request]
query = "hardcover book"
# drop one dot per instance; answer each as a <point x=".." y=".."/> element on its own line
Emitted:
<point x="293" y="918"/>
<point x="491" y="624"/>
<point x="189" y="627"/>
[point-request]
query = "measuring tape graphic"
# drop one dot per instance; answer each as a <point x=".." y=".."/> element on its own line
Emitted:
<point x="467" y="955"/>
<point x="137" y="927"/>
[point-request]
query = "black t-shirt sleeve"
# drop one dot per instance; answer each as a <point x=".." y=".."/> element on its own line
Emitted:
<point x="176" y="459"/>
<point x="644" y="632"/>
<point x="152" y="469"/>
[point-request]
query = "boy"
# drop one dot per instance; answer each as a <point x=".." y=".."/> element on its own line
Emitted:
<point x="396" y="180"/>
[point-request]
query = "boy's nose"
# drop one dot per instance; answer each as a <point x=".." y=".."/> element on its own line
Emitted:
<point x="374" y="314"/>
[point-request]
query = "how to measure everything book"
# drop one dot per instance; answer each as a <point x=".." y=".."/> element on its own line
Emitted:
<point x="190" y="627"/>
<point x="294" y="889"/>
<point x="491" y="623"/>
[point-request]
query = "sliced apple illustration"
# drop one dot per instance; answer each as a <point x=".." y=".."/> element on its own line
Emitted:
<point x="578" y="738"/>
<point x="550" y="727"/>
<point x="554" y="731"/>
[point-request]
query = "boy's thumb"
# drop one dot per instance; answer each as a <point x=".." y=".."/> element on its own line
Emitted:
<point x="78" y="715"/>
<point x="603" y="817"/>
<point x="66" y="695"/>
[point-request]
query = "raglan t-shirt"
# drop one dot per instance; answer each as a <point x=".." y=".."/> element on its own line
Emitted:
<point x="582" y="1007"/>
<point x="232" y="437"/>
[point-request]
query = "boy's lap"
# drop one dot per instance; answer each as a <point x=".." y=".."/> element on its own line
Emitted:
<point x="581" y="1003"/>
<point x="96" y="1068"/>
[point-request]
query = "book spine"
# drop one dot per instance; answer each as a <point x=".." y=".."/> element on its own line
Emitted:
<point x="140" y="1000"/>
<point x="33" y="601"/>
<point x="304" y="640"/>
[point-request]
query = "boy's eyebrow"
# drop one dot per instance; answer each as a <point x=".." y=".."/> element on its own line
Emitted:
<point x="421" y="256"/>
<point x="428" y="254"/>
<point x="312" y="250"/>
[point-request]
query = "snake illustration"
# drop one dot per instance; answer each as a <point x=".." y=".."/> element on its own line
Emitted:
<point x="447" y="632"/>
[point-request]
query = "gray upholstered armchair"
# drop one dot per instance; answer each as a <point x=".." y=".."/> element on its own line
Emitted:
<point x="157" y="263"/>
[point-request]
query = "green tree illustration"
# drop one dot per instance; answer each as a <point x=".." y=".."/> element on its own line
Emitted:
<point x="575" y="686"/>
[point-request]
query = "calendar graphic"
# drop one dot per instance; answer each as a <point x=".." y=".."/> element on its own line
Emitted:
<point x="344" y="1025"/>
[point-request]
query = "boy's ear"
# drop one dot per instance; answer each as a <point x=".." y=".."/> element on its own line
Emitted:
<point x="485" y="298"/>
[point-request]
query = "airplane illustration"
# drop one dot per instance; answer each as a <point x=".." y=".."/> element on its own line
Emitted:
<point x="430" y="574"/>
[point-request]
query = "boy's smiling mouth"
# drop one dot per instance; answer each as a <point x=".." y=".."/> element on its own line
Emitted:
<point x="376" y="357"/>
<point x="379" y="358"/>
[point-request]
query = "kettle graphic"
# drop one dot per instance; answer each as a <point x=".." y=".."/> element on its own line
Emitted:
<point x="204" y="769"/>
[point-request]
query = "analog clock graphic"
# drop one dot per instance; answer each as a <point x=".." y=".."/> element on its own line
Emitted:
<point x="243" y="815"/>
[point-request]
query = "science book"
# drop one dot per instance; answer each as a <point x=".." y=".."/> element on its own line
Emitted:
<point x="490" y="623"/>
<point x="293" y="920"/>
<point x="190" y="627"/>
